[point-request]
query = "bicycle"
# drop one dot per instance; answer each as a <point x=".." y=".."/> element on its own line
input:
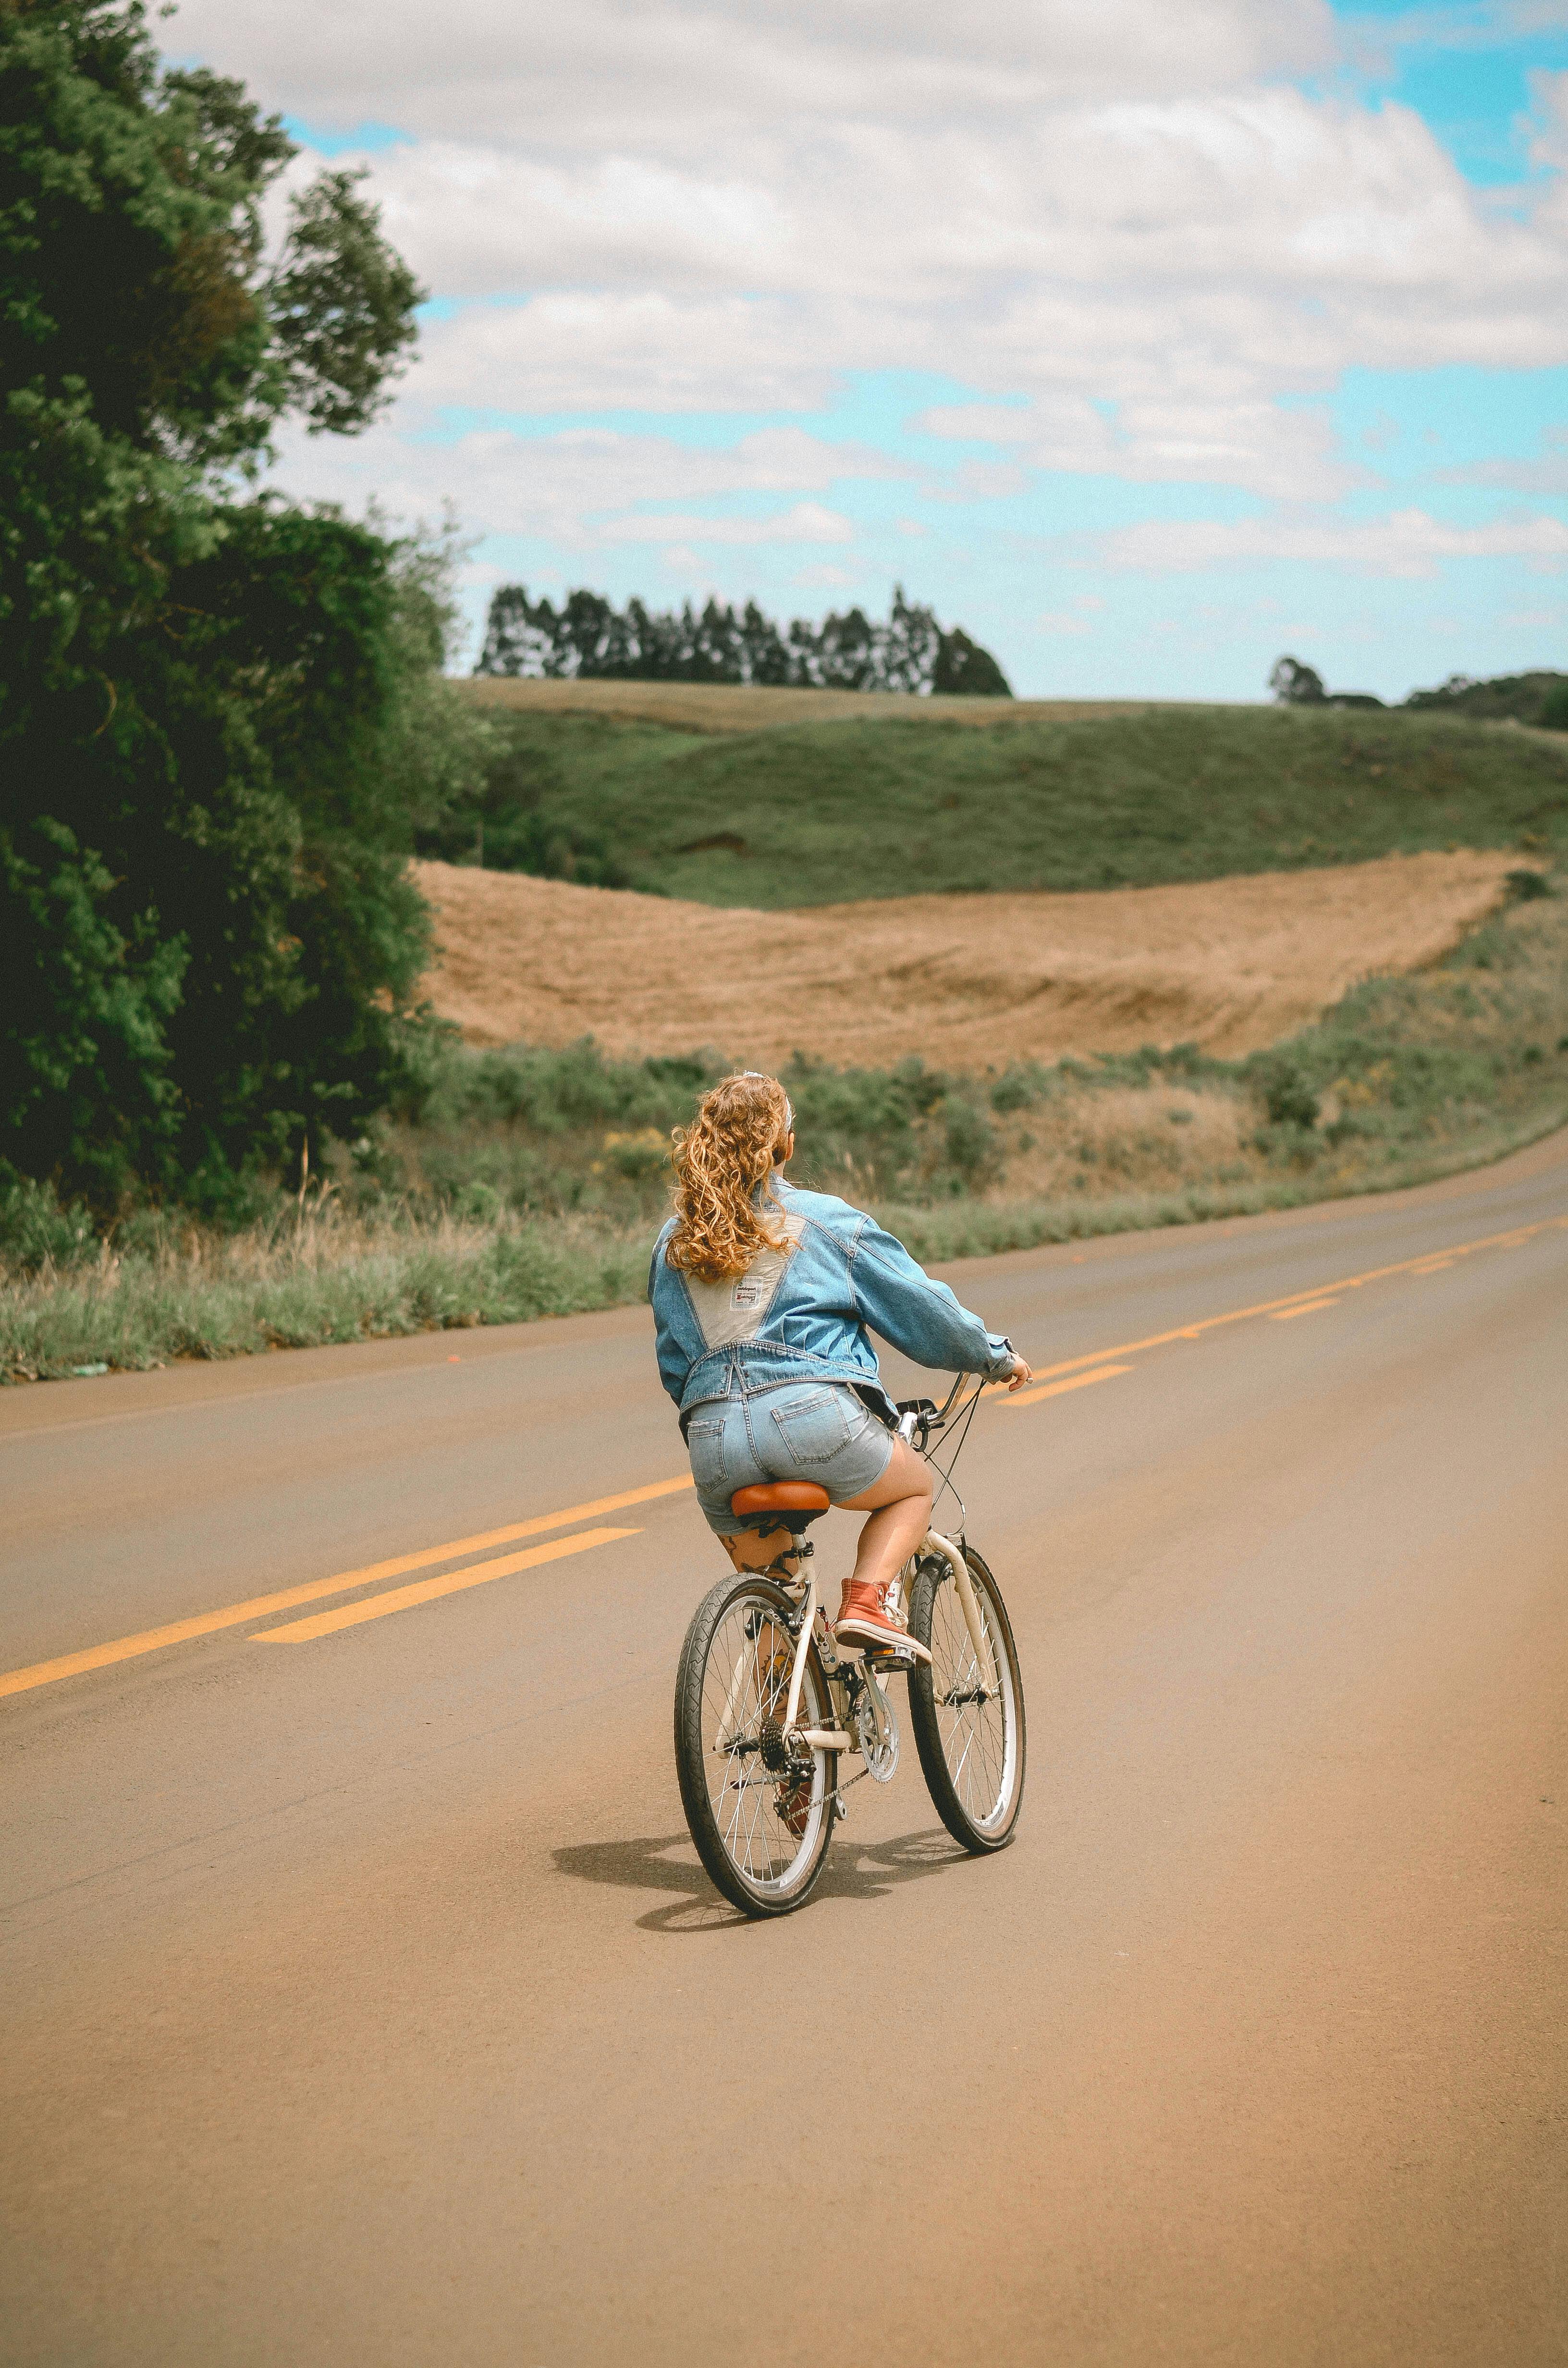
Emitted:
<point x="768" y="1705"/>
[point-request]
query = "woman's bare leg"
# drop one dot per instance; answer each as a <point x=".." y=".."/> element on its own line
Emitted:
<point x="900" y="1506"/>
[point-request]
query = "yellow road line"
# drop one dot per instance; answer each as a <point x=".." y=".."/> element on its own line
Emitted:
<point x="1310" y="1307"/>
<point x="258" y="1607"/>
<point x="425" y="1591"/>
<point x="233" y="1615"/>
<point x="1055" y="1389"/>
<point x="1513" y="1239"/>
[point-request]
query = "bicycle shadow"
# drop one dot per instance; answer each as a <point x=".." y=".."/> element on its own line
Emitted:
<point x="855" y="1871"/>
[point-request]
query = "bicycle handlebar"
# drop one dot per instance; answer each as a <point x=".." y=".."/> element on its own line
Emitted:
<point x="918" y="1417"/>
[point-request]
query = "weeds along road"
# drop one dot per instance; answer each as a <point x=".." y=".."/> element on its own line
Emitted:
<point x="363" y="2000"/>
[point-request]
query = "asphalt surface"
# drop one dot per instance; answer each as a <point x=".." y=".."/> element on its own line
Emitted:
<point x="363" y="2000"/>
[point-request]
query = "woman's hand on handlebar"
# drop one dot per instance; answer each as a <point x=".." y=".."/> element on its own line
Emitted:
<point x="1022" y="1371"/>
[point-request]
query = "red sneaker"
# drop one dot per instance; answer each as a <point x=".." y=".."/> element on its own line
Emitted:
<point x="866" y="1616"/>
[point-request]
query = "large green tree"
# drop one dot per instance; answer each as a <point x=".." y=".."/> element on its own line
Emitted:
<point x="207" y="936"/>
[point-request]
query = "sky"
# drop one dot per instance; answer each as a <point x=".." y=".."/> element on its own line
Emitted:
<point x="1147" y="339"/>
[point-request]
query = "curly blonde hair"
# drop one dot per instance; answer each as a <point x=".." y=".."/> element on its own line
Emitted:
<point x="721" y="1158"/>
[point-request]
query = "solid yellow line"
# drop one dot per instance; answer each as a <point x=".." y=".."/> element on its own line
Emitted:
<point x="1055" y="1389"/>
<point x="425" y="1591"/>
<point x="256" y="1607"/>
<point x="1312" y="1307"/>
<point x="1513" y="1239"/>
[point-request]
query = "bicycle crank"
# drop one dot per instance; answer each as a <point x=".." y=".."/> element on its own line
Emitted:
<point x="875" y="1730"/>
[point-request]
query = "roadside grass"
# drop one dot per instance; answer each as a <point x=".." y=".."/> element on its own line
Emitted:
<point x="529" y="1183"/>
<point x="823" y="812"/>
<point x="320" y="1275"/>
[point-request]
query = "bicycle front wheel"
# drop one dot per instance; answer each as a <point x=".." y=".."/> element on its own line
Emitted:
<point x="966" y="1706"/>
<point x="760" y="1815"/>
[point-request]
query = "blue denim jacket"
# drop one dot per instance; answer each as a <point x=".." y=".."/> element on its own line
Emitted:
<point x="802" y="1314"/>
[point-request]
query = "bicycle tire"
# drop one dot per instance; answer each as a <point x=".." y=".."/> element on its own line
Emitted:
<point x="744" y="1843"/>
<point x="973" y="1758"/>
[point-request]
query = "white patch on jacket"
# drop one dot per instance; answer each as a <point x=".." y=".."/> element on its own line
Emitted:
<point x="737" y="1308"/>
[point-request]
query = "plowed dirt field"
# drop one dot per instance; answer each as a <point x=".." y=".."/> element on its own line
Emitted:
<point x="965" y="980"/>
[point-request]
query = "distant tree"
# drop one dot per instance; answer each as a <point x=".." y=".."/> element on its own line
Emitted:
<point x="588" y="637"/>
<point x="763" y="655"/>
<point x="1295" y="685"/>
<point x="205" y="927"/>
<point x="1518" y="698"/>
<point x="848" y="656"/>
<point x="440" y="744"/>
<point x="912" y="646"/>
<point x="966" y="671"/>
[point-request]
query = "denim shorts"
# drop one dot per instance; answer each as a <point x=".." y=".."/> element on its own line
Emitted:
<point x="801" y="1430"/>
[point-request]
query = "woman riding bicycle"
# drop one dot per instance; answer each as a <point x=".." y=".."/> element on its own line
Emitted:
<point x="762" y="1298"/>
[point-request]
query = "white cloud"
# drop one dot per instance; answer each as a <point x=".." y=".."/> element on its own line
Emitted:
<point x="576" y="488"/>
<point x="1408" y="543"/>
<point x="1141" y="235"/>
<point x="807" y="522"/>
<point x="682" y="73"/>
<point x="1546" y="474"/>
<point x="978" y="423"/>
<point x="722" y="207"/>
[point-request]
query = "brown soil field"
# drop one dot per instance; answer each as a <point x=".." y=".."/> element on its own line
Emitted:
<point x="965" y="980"/>
<point x="731" y="707"/>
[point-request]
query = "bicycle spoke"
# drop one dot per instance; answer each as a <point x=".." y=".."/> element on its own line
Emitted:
<point x="746" y="1681"/>
<point x="969" y="1693"/>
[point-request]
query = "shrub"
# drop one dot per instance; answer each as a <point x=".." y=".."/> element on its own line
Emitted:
<point x="1287" y="1096"/>
<point x="35" y="1231"/>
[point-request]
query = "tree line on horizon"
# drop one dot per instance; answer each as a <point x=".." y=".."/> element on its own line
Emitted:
<point x="1539" y="698"/>
<point x="588" y="639"/>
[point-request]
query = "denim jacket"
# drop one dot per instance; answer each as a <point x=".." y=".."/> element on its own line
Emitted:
<point x="802" y="1314"/>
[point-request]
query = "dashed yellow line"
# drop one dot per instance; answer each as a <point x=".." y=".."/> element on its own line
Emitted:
<point x="258" y="1607"/>
<point x="1052" y="1380"/>
<point x="403" y="1598"/>
<point x="1056" y="1389"/>
<point x="1513" y="1239"/>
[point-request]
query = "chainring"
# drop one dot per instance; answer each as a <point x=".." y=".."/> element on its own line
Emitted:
<point x="876" y="1731"/>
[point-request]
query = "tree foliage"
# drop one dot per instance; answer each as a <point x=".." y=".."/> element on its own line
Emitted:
<point x="588" y="637"/>
<point x="1539" y="698"/>
<point x="1295" y="685"/>
<point x="208" y="937"/>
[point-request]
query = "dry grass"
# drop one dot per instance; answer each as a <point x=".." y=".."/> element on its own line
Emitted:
<point x="734" y="707"/>
<point x="1107" y="1139"/>
<point x="551" y="1168"/>
<point x="962" y="981"/>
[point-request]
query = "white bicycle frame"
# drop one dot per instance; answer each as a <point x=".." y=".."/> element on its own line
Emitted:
<point x="821" y="1738"/>
<point x="834" y="1739"/>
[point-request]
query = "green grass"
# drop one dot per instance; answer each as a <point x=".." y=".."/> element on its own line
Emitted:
<point x="521" y="1184"/>
<point x="821" y="813"/>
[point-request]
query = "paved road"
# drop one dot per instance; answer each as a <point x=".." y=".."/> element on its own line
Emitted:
<point x="364" y="2002"/>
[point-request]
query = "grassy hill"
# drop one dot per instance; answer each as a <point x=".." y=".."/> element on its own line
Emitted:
<point x="893" y="798"/>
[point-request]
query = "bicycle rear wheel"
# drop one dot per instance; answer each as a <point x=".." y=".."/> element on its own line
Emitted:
<point x="967" y="1709"/>
<point x="761" y="1825"/>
